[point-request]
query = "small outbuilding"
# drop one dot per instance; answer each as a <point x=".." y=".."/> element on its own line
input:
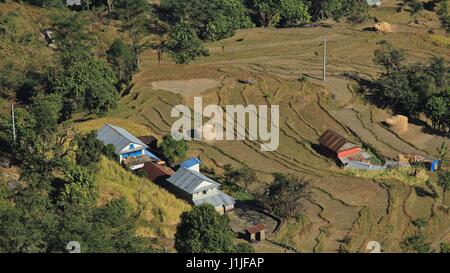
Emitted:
<point x="336" y="145"/>
<point x="191" y="164"/>
<point x="256" y="233"/>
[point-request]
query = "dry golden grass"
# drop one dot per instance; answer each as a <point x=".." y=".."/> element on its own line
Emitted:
<point x="95" y="124"/>
<point x="161" y="210"/>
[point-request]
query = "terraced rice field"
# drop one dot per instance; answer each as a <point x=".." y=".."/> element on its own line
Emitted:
<point x="286" y="64"/>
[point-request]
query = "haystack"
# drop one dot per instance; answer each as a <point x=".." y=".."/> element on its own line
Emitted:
<point x="383" y="27"/>
<point x="206" y="132"/>
<point x="398" y="124"/>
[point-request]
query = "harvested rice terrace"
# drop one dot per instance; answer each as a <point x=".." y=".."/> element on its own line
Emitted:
<point x="286" y="64"/>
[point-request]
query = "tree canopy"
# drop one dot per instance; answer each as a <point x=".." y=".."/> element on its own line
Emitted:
<point x="204" y="230"/>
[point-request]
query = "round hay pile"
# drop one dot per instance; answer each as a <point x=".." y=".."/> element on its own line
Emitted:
<point x="398" y="124"/>
<point x="207" y="131"/>
<point x="383" y="27"/>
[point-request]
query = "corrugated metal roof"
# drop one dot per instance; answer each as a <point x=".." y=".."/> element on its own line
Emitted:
<point x="190" y="181"/>
<point x="119" y="137"/>
<point x="190" y="162"/>
<point x="155" y="172"/>
<point x="332" y="140"/>
<point x="151" y="155"/>
<point x="256" y="228"/>
<point x="357" y="165"/>
<point x="218" y="199"/>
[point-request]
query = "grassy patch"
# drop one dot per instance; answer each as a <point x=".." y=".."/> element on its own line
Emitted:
<point x="289" y="233"/>
<point x="160" y="210"/>
<point x="95" y="124"/>
<point x="440" y="40"/>
<point x="405" y="175"/>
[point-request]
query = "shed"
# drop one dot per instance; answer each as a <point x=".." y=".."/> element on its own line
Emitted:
<point x="256" y="233"/>
<point x="334" y="144"/>
<point x="191" y="164"/>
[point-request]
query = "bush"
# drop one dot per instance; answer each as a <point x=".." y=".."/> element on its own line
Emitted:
<point x="184" y="44"/>
<point x="121" y="58"/>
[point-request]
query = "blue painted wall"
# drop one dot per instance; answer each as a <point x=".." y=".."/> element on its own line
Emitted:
<point x="133" y="154"/>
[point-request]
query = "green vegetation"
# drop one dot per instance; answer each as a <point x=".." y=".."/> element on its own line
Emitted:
<point x="413" y="89"/>
<point x="56" y="201"/>
<point x="121" y="58"/>
<point x="184" y="45"/>
<point x="243" y="176"/>
<point x="284" y="194"/>
<point x="204" y="230"/>
<point x="173" y="149"/>
<point x="443" y="12"/>
<point x="84" y="82"/>
<point x="211" y="20"/>
<point x="416" y="244"/>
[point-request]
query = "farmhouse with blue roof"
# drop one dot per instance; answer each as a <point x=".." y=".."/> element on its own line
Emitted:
<point x="131" y="151"/>
<point x="199" y="189"/>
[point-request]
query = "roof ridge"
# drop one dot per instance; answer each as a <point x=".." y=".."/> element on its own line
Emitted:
<point x="200" y="175"/>
<point x="114" y="128"/>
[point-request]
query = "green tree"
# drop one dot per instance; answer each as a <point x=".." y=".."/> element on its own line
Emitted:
<point x="28" y="223"/>
<point x="173" y="149"/>
<point x="443" y="12"/>
<point x="444" y="183"/>
<point x="244" y="248"/>
<point x="415" y="7"/>
<point x="388" y="57"/>
<point x="121" y="58"/>
<point x="284" y="194"/>
<point x="135" y="15"/>
<point x="356" y="11"/>
<point x="184" y="44"/>
<point x="89" y="149"/>
<point x="245" y="176"/>
<point x="204" y="230"/>
<point x="416" y="244"/>
<point x="280" y="13"/>
<point x="210" y="19"/>
<point x="71" y="30"/>
<point x="79" y="188"/>
<point x="437" y="110"/>
<point x="84" y="82"/>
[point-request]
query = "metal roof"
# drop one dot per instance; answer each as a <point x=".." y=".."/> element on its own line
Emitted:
<point x="334" y="142"/>
<point x="256" y="228"/>
<point x="358" y="165"/>
<point x="190" y="162"/>
<point x="151" y="155"/>
<point x="218" y="199"/>
<point x="156" y="172"/>
<point x="119" y="137"/>
<point x="191" y="181"/>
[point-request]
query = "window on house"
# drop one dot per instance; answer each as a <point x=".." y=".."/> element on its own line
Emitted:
<point x="204" y="192"/>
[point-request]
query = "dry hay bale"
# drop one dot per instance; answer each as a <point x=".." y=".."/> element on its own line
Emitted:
<point x="383" y="27"/>
<point x="398" y="124"/>
<point x="403" y="159"/>
<point x="248" y="80"/>
<point x="206" y="132"/>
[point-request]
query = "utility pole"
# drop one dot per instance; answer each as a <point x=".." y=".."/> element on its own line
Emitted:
<point x="325" y="59"/>
<point x="13" y="122"/>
